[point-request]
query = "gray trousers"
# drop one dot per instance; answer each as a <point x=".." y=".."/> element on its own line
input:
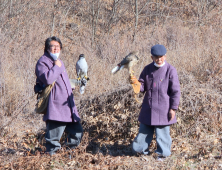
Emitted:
<point x="142" y="141"/>
<point x="55" y="130"/>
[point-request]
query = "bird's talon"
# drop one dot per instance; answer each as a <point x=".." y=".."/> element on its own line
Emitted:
<point x="131" y="73"/>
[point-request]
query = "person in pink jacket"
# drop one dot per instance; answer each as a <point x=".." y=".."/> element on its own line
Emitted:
<point x="159" y="81"/>
<point x="62" y="114"/>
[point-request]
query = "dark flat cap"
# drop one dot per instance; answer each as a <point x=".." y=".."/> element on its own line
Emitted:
<point x="158" y="50"/>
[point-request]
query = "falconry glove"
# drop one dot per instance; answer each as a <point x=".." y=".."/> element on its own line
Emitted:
<point x="135" y="83"/>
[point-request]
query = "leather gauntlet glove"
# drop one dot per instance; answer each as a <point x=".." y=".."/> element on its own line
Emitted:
<point x="135" y="83"/>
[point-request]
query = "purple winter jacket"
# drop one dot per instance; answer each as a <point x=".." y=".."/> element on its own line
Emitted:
<point x="61" y="106"/>
<point x="162" y="93"/>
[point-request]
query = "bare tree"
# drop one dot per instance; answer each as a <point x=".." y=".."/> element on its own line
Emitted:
<point x="95" y="8"/>
<point x="113" y="14"/>
<point x="137" y="12"/>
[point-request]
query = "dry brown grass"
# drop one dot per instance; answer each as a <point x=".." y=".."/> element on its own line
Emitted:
<point x="110" y="125"/>
<point x="191" y="31"/>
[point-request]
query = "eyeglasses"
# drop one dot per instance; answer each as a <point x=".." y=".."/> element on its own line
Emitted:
<point x="55" y="46"/>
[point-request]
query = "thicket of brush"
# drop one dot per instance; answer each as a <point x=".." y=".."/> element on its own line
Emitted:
<point x="106" y="31"/>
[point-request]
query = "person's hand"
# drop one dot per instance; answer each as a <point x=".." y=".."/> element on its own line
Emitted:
<point x="58" y="63"/>
<point x="172" y="114"/>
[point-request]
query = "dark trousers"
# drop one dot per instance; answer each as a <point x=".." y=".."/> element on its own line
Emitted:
<point x="55" y="130"/>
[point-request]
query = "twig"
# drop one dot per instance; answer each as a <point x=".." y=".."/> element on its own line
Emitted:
<point x="17" y="110"/>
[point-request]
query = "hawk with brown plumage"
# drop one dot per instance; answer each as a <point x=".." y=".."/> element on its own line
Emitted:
<point x="128" y="62"/>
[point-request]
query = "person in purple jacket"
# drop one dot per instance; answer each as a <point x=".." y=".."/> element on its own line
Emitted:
<point x="62" y="114"/>
<point x="159" y="81"/>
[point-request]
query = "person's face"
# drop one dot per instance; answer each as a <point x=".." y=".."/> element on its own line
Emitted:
<point x="54" y="47"/>
<point x="159" y="59"/>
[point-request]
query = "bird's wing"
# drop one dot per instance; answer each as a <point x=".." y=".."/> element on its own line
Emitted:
<point x="84" y="65"/>
<point x="78" y="68"/>
<point x="126" y="60"/>
<point x="82" y="68"/>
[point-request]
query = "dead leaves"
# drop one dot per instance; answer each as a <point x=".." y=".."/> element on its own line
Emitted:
<point x="109" y="129"/>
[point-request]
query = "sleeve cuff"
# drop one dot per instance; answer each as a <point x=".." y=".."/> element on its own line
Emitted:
<point x="174" y="107"/>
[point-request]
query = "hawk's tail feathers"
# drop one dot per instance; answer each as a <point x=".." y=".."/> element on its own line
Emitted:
<point x="114" y="70"/>
<point x="82" y="89"/>
<point x="121" y="67"/>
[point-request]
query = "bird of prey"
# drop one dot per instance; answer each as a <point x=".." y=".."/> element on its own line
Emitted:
<point x="128" y="62"/>
<point x="81" y="71"/>
<point x="81" y="67"/>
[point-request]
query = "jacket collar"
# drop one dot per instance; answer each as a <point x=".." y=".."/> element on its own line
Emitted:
<point x="160" y="70"/>
<point x="48" y="55"/>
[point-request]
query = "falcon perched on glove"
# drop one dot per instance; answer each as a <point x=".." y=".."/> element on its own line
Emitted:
<point x="128" y="62"/>
<point x="81" y="71"/>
